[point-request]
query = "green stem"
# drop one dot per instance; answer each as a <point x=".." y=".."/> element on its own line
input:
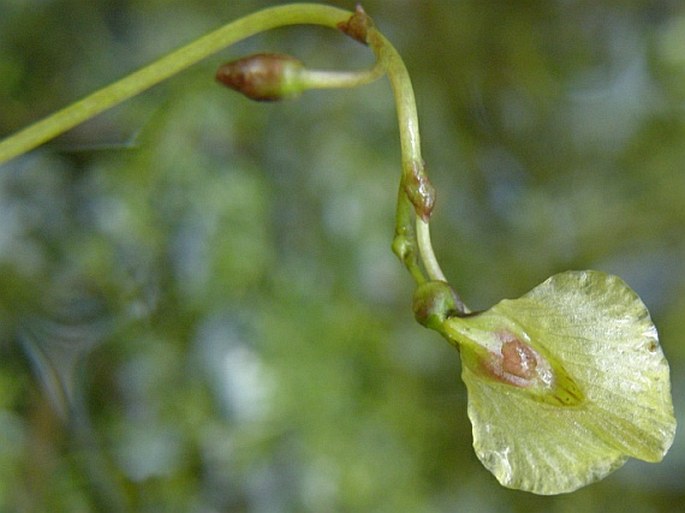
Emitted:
<point x="141" y="80"/>
<point x="430" y="262"/>
<point x="324" y="79"/>
<point x="404" y="244"/>
<point x="412" y="162"/>
<point x="415" y="187"/>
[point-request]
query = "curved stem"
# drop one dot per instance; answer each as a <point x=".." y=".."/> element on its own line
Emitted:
<point x="415" y="187"/>
<point x="137" y="82"/>
<point x="405" y="103"/>
<point x="430" y="262"/>
<point x="404" y="244"/>
<point x="414" y="177"/>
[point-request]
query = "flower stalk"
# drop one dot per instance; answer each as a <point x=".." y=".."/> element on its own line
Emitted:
<point x="270" y="77"/>
<point x="164" y="68"/>
<point x="578" y="354"/>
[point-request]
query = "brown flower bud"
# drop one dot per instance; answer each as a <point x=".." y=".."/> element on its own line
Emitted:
<point x="263" y="77"/>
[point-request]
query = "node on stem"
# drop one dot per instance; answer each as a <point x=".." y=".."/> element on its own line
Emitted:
<point x="357" y="27"/>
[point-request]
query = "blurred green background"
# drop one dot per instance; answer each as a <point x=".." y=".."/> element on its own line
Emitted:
<point x="199" y="308"/>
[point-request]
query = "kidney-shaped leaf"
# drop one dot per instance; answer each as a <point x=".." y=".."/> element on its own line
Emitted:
<point x="565" y="383"/>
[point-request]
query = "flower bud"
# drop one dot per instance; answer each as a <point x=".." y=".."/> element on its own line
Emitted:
<point x="263" y="77"/>
<point x="418" y="188"/>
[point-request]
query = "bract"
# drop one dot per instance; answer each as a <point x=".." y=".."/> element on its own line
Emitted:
<point x="565" y="383"/>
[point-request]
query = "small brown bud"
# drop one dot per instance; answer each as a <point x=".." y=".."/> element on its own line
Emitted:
<point x="357" y="27"/>
<point x="418" y="188"/>
<point x="263" y="77"/>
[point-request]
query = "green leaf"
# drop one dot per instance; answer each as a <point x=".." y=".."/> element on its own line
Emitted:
<point x="565" y="383"/>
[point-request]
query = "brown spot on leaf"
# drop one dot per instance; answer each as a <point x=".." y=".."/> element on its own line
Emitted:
<point x="518" y="358"/>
